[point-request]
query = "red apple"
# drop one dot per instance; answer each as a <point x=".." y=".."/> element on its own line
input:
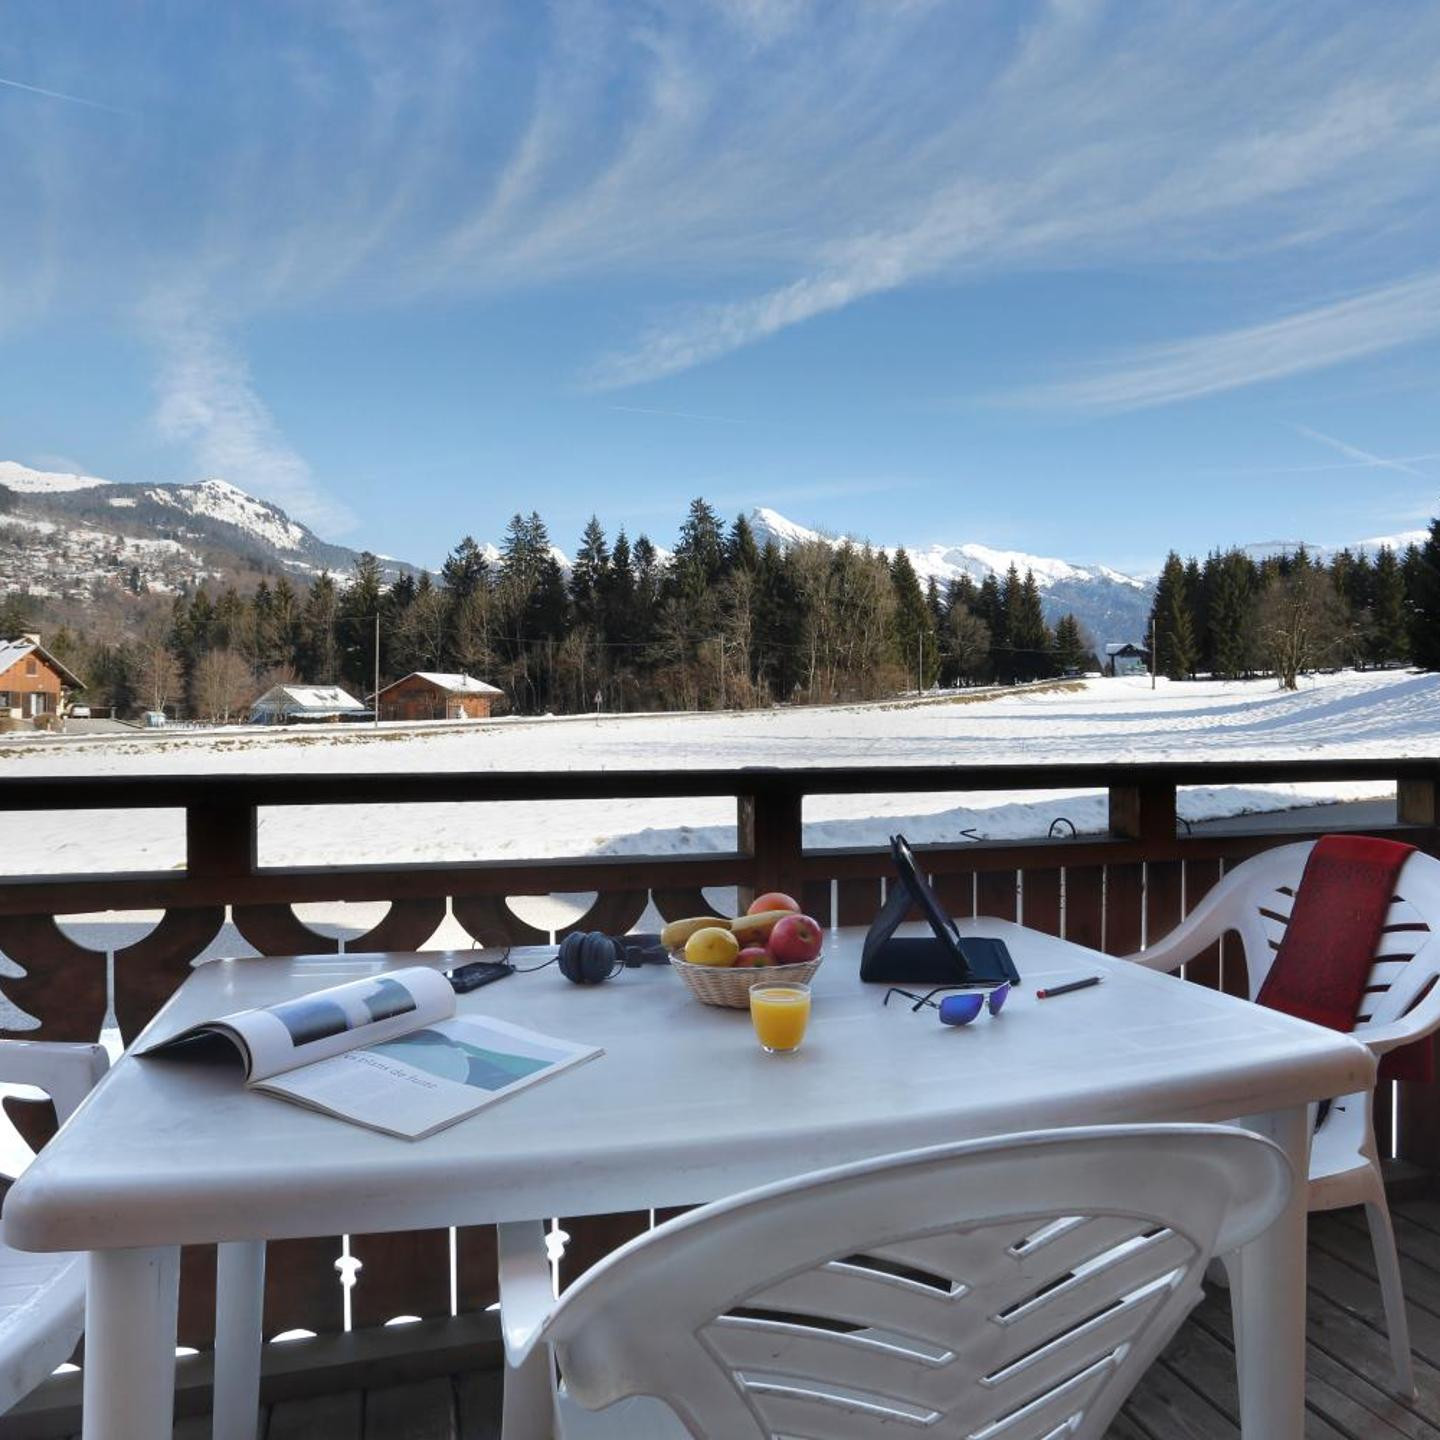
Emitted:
<point x="795" y="939"/>
<point x="753" y="955"/>
<point x="773" y="901"/>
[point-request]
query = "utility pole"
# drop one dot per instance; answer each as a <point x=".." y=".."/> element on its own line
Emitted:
<point x="1154" y="658"/>
<point x="377" y="669"/>
<point x="920" y="674"/>
<point x="720" y="643"/>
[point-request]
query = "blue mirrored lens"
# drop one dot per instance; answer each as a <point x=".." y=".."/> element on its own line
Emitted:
<point x="998" y="997"/>
<point x="960" y="1009"/>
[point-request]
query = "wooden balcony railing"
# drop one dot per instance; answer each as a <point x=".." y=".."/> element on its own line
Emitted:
<point x="1110" y="891"/>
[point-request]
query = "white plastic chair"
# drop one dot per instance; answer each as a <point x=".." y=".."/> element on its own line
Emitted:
<point x="1018" y="1286"/>
<point x="42" y="1297"/>
<point x="1254" y="901"/>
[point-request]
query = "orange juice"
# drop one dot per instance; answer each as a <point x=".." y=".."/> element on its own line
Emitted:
<point x="780" y="1014"/>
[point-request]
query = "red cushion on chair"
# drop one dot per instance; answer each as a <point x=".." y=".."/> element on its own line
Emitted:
<point x="1335" y="925"/>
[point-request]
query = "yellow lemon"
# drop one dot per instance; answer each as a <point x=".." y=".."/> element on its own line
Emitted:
<point x="712" y="946"/>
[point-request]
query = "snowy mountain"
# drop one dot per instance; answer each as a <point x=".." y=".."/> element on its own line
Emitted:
<point x="219" y="501"/>
<point x="72" y="535"/>
<point x="1399" y="543"/>
<point x="1108" y="604"/>
<point x="25" y="481"/>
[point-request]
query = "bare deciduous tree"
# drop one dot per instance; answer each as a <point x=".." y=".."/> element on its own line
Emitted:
<point x="224" y="686"/>
<point x="158" y="673"/>
<point x="1301" y="624"/>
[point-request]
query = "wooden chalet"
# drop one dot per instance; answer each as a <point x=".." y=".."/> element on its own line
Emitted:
<point x="429" y="695"/>
<point x="34" y="685"/>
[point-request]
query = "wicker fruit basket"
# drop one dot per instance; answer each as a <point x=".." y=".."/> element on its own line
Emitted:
<point x="729" y="985"/>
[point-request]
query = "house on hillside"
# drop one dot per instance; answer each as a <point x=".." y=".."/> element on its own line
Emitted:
<point x="427" y="695"/>
<point x="34" y="685"/>
<point x="306" y="704"/>
<point x="1127" y="658"/>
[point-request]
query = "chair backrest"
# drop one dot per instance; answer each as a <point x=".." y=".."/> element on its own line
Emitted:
<point x="1256" y="899"/>
<point x="65" y="1072"/>
<point x="1016" y="1287"/>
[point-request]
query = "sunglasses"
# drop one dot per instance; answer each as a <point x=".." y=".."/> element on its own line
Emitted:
<point x="956" y="1009"/>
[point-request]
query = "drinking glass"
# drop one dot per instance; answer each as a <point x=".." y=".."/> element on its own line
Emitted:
<point x="780" y="1014"/>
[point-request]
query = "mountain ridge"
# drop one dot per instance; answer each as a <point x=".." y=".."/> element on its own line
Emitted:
<point x="61" y="532"/>
<point x="1109" y="604"/>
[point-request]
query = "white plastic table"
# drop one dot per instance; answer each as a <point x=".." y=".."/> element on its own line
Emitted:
<point x="682" y="1108"/>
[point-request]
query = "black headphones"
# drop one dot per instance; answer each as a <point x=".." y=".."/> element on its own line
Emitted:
<point x="589" y="956"/>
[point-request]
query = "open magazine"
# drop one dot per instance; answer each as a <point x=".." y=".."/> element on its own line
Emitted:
<point x="387" y="1052"/>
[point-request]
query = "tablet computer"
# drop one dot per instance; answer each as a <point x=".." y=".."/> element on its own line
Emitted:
<point x="944" y="957"/>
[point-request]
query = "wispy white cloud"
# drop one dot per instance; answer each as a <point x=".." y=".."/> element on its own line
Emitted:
<point x="1105" y="136"/>
<point x="1364" y="458"/>
<point x="60" y="95"/>
<point x="728" y="170"/>
<point x="206" y="401"/>
<point x="1369" y="323"/>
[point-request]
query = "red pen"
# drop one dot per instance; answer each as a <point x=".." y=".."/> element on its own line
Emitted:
<point x="1084" y="984"/>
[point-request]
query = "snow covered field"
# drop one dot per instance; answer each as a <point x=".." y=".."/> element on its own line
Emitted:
<point x="1391" y="713"/>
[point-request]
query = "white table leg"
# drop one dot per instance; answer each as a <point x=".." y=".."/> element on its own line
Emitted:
<point x="1270" y="1300"/>
<point x="239" y="1310"/>
<point x="130" y="1306"/>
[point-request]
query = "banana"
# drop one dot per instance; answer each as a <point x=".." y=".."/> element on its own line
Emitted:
<point x="749" y="928"/>
<point x="677" y="932"/>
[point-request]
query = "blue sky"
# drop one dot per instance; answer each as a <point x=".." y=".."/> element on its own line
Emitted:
<point x="1086" y="279"/>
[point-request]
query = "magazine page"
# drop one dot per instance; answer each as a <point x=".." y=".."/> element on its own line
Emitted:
<point x="292" y="1033"/>
<point x="418" y="1083"/>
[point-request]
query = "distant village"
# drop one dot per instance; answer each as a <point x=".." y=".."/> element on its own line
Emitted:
<point x="38" y="691"/>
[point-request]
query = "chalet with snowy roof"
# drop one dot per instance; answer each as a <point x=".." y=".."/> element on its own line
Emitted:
<point x="429" y="695"/>
<point x="1125" y="657"/>
<point x="34" y="685"/>
<point x="306" y="704"/>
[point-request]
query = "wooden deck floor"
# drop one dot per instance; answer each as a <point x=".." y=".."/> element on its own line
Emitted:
<point x="1188" y="1395"/>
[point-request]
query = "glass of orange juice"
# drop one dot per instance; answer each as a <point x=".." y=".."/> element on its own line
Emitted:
<point x="780" y="1014"/>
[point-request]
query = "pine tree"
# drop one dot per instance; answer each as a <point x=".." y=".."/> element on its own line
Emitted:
<point x="699" y="553"/>
<point x="316" y="651"/>
<point x="1424" y="597"/>
<point x="779" y="624"/>
<point x="617" y="597"/>
<point x="1389" y="630"/>
<point x="1198" y="600"/>
<point x="587" y="574"/>
<point x="282" y="640"/>
<point x="647" y="585"/>
<point x="741" y="551"/>
<point x="916" y="643"/>
<point x="1007" y="660"/>
<point x="1029" y="636"/>
<point x="394" y="623"/>
<point x="1070" y="648"/>
<point x="465" y="570"/>
<point x="1232" y="602"/>
<point x="1171" y="622"/>
<point x="359" y="605"/>
<point x="961" y="593"/>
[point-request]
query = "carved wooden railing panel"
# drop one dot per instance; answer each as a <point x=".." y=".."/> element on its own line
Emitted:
<point x="1111" y="892"/>
<point x="148" y="970"/>
<point x="407" y="926"/>
<point x="64" y="985"/>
